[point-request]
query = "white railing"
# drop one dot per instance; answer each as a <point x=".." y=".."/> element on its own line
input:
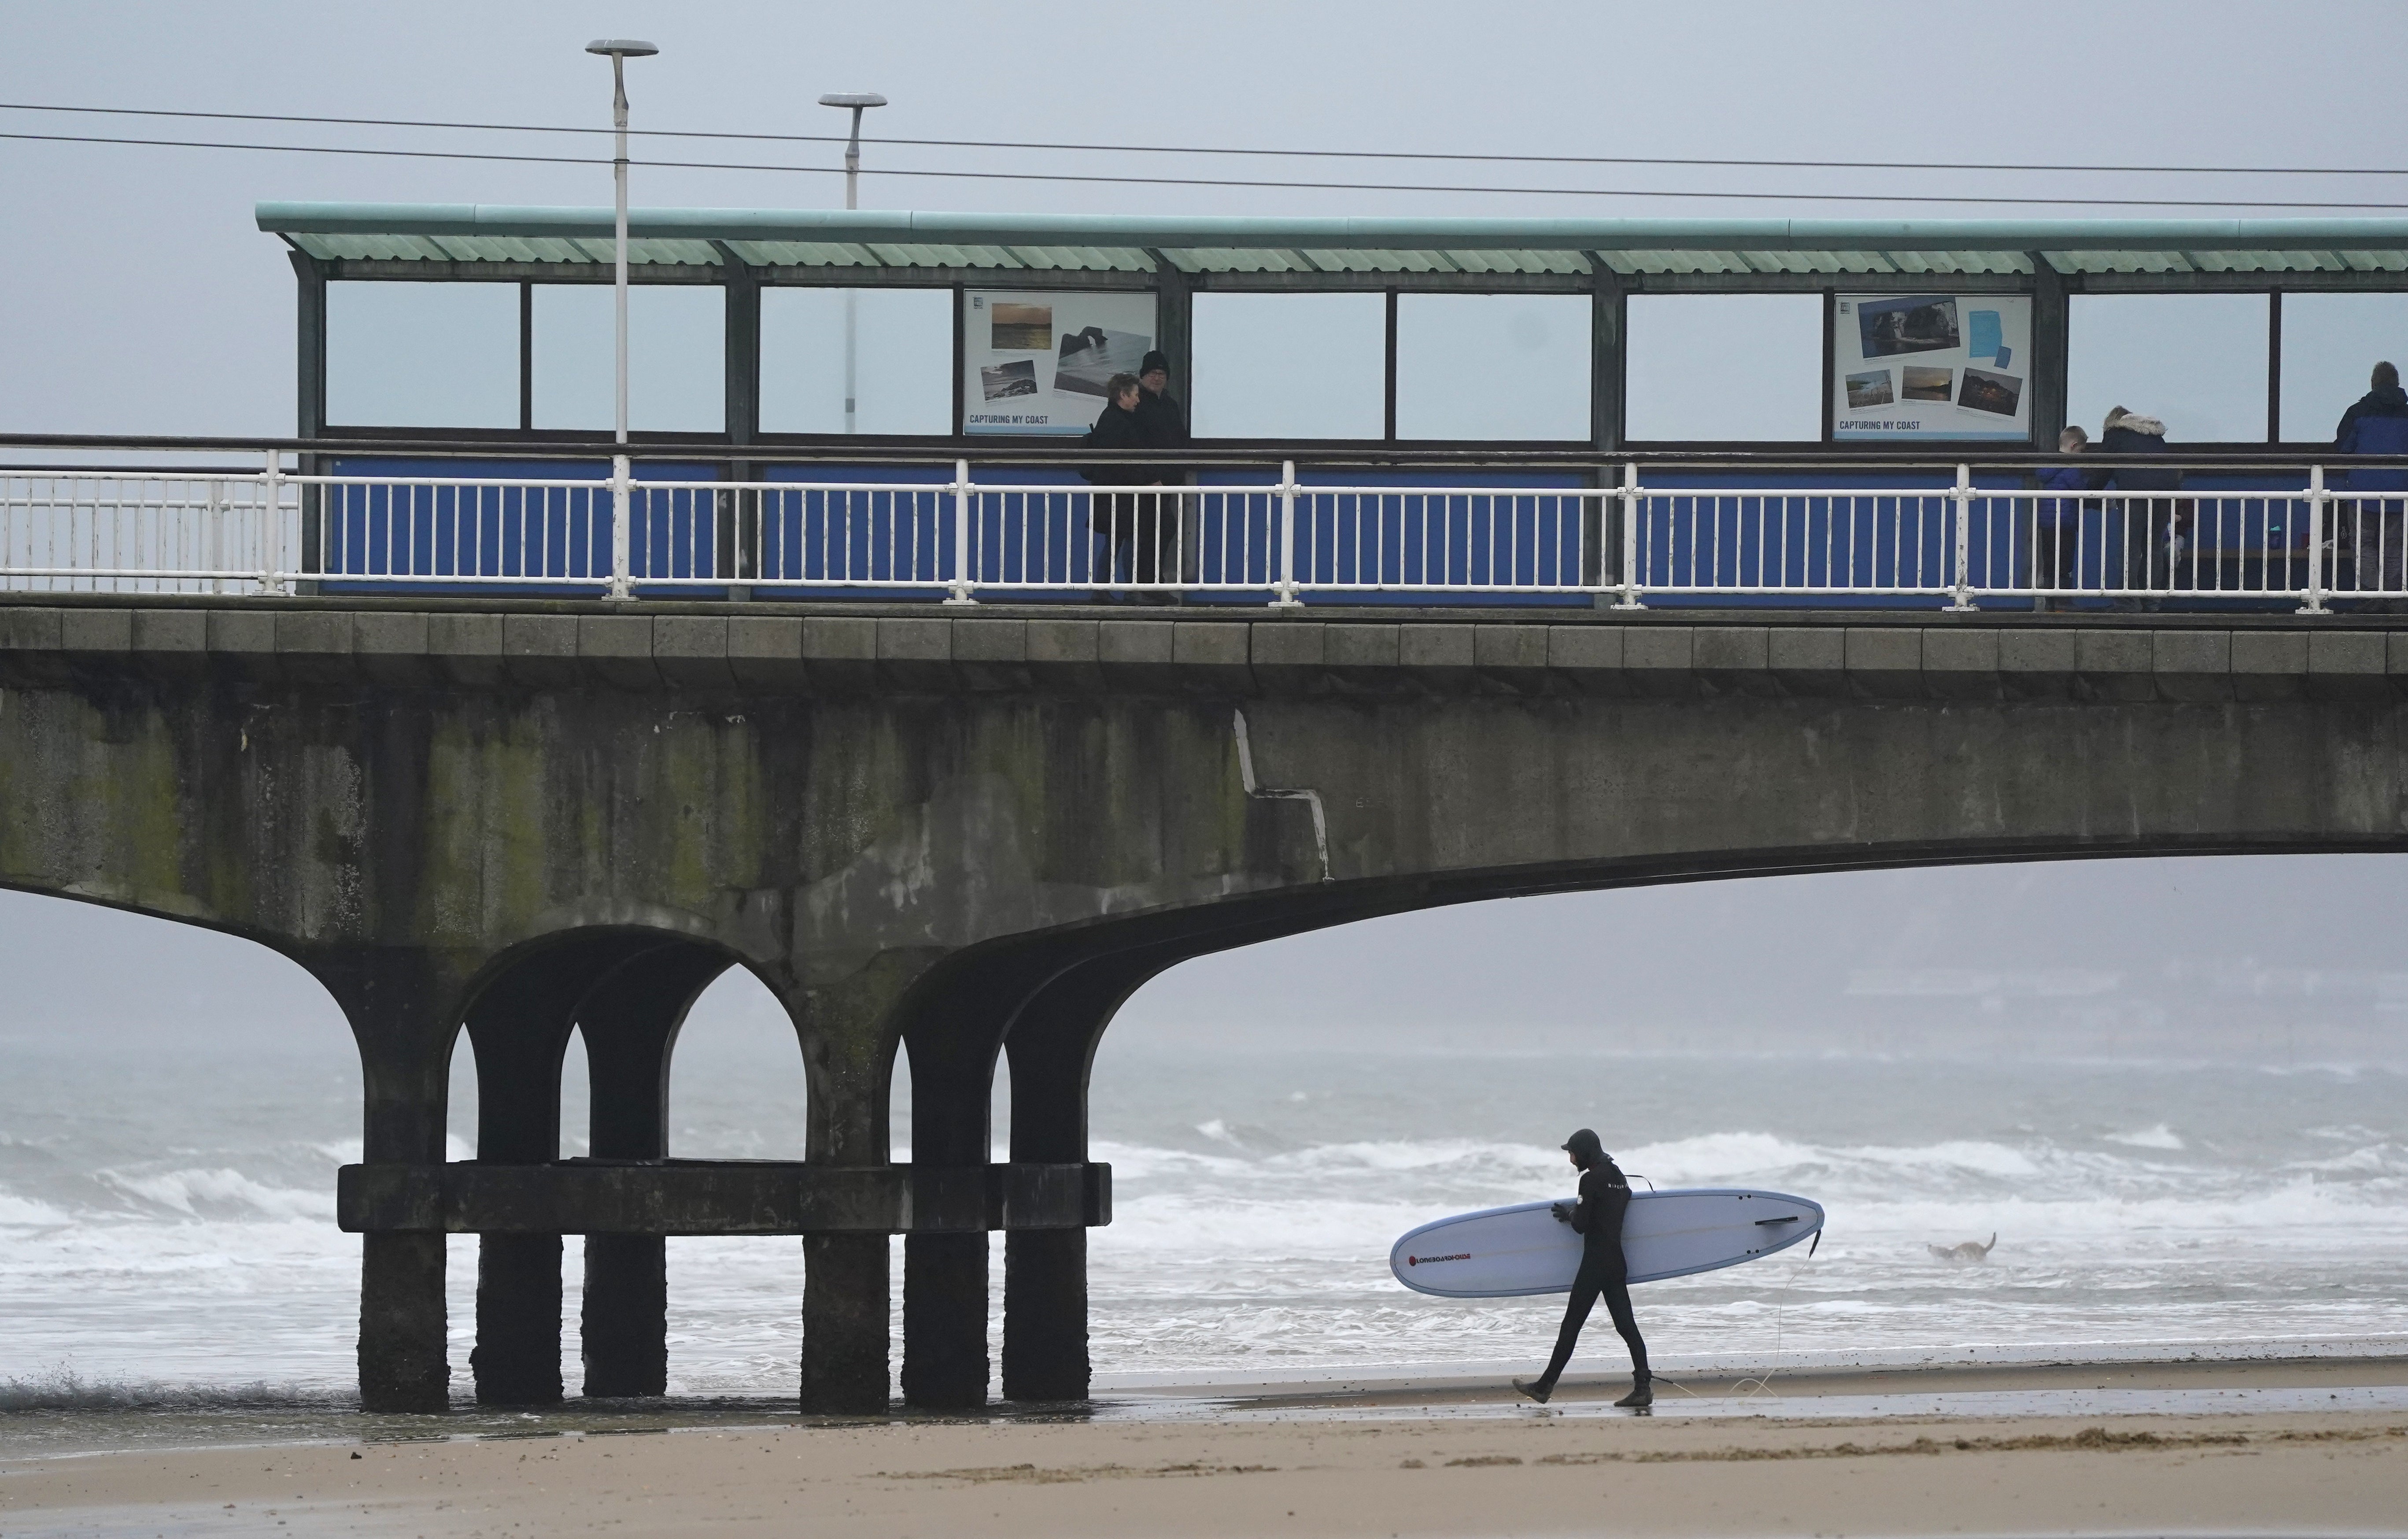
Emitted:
<point x="150" y="531"/>
<point x="936" y="531"/>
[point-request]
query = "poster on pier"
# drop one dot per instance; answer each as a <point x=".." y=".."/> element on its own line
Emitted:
<point x="1036" y="362"/>
<point x="1931" y="366"/>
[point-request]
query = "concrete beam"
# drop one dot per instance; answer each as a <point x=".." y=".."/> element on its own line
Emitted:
<point x="1885" y="662"/>
<point x="1960" y="664"/>
<point x="766" y="651"/>
<point x="916" y="655"/>
<point x="242" y="642"/>
<point x="2348" y="665"/>
<point x="713" y="1197"/>
<point x="1659" y="660"/>
<point x="919" y="650"/>
<point x="31" y="651"/>
<point x="691" y="650"/>
<point x="1291" y="656"/>
<point x="991" y="654"/>
<point x="617" y="649"/>
<point x="1065" y="655"/>
<point x="540" y="650"/>
<point x="175" y="643"/>
<point x="393" y="647"/>
<point x="1586" y="659"/>
<point x="839" y="653"/>
<point x="315" y="645"/>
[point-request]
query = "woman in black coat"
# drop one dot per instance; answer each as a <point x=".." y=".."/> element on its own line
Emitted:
<point x="2155" y="529"/>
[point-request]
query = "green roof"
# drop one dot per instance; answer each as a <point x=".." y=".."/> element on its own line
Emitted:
<point x="815" y="237"/>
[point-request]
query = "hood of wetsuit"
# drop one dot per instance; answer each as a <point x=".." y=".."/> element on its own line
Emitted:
<point x="1584" y="1146"/>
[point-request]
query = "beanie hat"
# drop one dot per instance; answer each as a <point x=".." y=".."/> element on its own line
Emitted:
<point x="1155" y="360"/>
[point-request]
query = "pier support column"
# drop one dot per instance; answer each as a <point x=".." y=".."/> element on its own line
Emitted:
<point x="1045" y="1315"/>
<point x="1051" y="1047"/>
<point x="402" y="1358"/>
<point x="401" y="1004"/>
<point x="520" y="1023"/>
<point x="954" y="1032"/>
<point x="631" y="1023"/>
<point x="848" y="1028"/>
<point x="516" y="1361"/>
<point x="845" y="1301"/>
<point x="945" y="1365"/>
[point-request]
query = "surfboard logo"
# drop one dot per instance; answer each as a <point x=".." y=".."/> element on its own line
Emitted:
<point x="1458" y="1255"/>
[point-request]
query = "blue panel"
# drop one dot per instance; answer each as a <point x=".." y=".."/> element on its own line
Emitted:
<point x="875" y="537"/>
<point x="1373" y="538"/>
<point x="549" y="539"/>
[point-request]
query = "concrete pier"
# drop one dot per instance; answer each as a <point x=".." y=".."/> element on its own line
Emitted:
<point x="963" y="835"/>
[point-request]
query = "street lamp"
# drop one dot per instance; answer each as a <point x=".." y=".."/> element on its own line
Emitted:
<point x="860" y="102"/>
<point x="619" y="50"/>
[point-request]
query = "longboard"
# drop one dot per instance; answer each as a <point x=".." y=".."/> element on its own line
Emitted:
<point x="1501" y="1253"/>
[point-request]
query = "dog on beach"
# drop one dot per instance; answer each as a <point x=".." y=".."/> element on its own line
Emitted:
<point x="1971" y="1250"/>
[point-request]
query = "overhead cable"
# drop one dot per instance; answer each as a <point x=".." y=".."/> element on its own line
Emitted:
<point x="1221" y="181"/>
<point x="1222" y="149"/>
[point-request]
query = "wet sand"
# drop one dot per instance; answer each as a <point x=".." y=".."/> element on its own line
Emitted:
<point x="1394" y="1458"/>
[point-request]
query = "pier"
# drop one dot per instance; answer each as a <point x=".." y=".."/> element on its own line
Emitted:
<point x="509" y="730"/>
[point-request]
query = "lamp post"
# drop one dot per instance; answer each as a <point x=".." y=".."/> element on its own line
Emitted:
<point x="860" y="102"/>
<point x="619" y="50"/>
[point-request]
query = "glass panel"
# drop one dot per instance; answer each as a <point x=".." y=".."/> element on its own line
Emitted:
<point x="903" y="360"/>
<point x="2197" y="362"/>
<point x="676" y="344"/>
<point x="1731" y="366"/>
<point x="423" y="355"/>
<point x="1291" y="366"/>
<point x="2330" y="343"/>
<point x="1493" y="365"/>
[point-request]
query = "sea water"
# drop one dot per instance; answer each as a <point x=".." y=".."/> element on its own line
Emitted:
<point x="167" y="1211"/>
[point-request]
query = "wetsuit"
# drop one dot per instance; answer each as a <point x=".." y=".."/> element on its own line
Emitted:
<point x="1604" y="1195"/>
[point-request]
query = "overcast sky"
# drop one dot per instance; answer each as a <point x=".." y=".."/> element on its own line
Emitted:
<point x="140" y="298"/>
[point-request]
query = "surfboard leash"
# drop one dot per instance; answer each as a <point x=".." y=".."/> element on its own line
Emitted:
<point x="1780" y="1321"/>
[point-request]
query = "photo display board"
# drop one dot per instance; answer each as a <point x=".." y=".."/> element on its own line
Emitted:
<point x="1036" y="363"/>
<point x="1931" y="366"/>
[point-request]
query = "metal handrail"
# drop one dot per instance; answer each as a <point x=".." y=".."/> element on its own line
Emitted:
<point x="1286" y="538"/>
<point x="2221" y="459"/>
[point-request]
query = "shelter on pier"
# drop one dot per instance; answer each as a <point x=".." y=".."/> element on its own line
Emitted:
<point x="1339" y="335"/>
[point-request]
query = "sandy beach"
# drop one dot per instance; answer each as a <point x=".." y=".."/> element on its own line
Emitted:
<point x="1443" y="1460"/>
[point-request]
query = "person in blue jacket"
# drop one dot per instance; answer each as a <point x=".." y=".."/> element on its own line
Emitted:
<point x="2370" y="528"/>
<point x="1604" y="1196"/>
<point x="2056" y="525"/>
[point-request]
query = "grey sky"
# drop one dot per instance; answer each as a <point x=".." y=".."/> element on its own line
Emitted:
<point x="140" y="299"/>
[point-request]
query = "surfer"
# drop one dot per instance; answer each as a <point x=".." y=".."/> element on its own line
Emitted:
<point x="1604" y="1197"/>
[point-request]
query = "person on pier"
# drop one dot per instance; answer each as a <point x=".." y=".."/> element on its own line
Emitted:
<point x="1115" y="515"/>
<point x="2370" y="528"/>
<point x="1604" y="1197"/>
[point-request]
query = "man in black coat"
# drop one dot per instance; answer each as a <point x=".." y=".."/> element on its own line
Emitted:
<point x="1604" y="1196"/>
<point x="2370" y="528"/>
<point x="1159" y="419"/>
<point x="1161" y="426"/>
